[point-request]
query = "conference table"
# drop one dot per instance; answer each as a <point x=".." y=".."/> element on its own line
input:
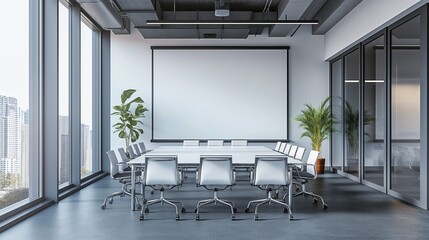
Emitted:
<point x="189" y="156"/>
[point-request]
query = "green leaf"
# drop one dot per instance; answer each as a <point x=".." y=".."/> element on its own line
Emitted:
<point x="127" y="94"/>
<point x="122" y="134"/>
<point x="137" y="100"/>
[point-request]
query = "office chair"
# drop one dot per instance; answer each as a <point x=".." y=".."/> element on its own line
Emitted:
<point x="131" y="152"/>
<point x="287" y="149"/>
<point x="124" y="158"/>
<point x="142" y="147"/>
<point x="236" y="143"/>
<point x="215" y="171"/>
<point x="270" y="174"/>
<point x="214" y="143"/>
<point x="137" y="149"/>
<point x="277" y="148"/>
<point x="161" y="172"/>
<point x="308" y="173"/>
<point x="282" y="147"/>
<point x="190" y="143"/>
<point x="124" y="177"/>
<point x="292" y="151"/>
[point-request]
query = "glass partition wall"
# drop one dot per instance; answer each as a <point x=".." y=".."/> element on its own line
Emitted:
<point x="374" y="111"/>
<point x="379" y="99"/>
<point x="405" y="108"/>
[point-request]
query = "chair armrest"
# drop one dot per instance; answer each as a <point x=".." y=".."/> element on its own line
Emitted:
<point x="306" y="165"/>
<point x="122" y="163"/>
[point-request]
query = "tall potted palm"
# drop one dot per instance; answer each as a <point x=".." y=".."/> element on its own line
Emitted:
<point x="129" y="125"/>
<point x="318" y="123"/>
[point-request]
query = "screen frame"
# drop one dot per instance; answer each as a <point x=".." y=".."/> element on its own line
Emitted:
<point x="285" y="48"/>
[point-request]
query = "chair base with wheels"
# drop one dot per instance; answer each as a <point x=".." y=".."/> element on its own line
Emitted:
<point x="302" y="173"/>
<point x="305" y="193"/>
<point x="162" y="201"/>
<point x="215" y="200"/>
<point x="268" y="200"/>
<point x="122" y="193"/>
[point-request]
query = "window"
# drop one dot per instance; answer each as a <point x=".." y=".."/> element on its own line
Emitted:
<point x="89" y="61"/>
<point x="64" y="164"/>
<point x="19" y="106"/>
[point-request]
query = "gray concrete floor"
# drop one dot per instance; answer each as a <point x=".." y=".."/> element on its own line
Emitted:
<point x="355" y="212"/>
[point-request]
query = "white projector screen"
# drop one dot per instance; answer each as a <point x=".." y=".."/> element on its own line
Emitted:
<point x="219" y="93"/>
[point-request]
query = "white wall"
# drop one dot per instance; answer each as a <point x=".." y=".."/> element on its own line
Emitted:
<point x="367" y="18"/>
<point x="308" y="73"/>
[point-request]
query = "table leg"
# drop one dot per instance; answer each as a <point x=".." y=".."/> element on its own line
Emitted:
<point x="133" y="187"/>
<point x="290" y="188"/>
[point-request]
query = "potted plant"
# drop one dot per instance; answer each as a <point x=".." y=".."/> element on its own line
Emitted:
<point x="128" y="126"/>
<point x="318" y="123"/>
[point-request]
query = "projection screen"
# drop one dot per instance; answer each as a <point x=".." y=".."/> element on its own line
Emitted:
<point x="219" y="93"/>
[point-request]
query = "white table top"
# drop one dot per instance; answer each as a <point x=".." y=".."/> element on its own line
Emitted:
<point x="190" y="155"/>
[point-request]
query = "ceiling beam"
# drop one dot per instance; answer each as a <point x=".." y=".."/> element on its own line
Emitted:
<point x="289" y="10"/>
<point x="331" y="13"/>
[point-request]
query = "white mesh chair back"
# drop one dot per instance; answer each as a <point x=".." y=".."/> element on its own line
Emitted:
<point x="123" y="154"/>
<point x="142" y="147"/>
<point x="270" y="170"/>
<point x="287" y="149"/>
<point x="216" y="170"/>
<point x="161" y="170"/>
<point x="114" y="169"/>
<point x="237" y="143"/>
<point x="131" y="152"/>
<point x="191" y="143"/>
<point x="137" y="149"/>
<point x="299" y="153"/>
<point x="213" y="143"/>
<point x="282" y="147"/>
<point x="292" y="151"/>
<point x="278" y="146"/>
<point x="311" y="160"/>
<point x="124" y="158"/>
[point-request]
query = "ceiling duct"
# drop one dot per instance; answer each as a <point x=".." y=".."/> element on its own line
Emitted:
<point x="221" y="8"/>
<point x="105" y="14"/>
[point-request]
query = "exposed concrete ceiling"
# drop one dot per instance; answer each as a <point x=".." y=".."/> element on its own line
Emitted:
<point x="138" y="12"/>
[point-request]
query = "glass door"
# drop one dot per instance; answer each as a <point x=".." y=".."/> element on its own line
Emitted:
<point x="374" y="112"/>
<point x="351" y="112"/>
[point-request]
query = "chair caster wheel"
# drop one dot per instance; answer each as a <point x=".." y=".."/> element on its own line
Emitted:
<point x="285" y="210"/>
<point x="183" y="210"/>
<point x="325" y="206"/>
<point x="235" y="210"/>
<point x="139" y="206"/>
<point x="103" y="206"/>
<point x="233" y="218"/>
<point x="246" y="210"/>
<point x="144" y="201"/>
<point x="141" y="218"/>
<point x="290" y="217"/>
<point x="146" y="210"/>
<point x="197" y="217"/>
<point x="315" y="200"/>
<point x="177" y="217"/>
<point x="256" y="217"/>
<point x="152" y="192"/>
<point x="111" y="201"/>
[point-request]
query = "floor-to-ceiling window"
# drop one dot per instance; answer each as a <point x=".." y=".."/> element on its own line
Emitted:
<point x="19" y="109"/>
<point x="374" y="111"/>
<point x="64" y="141"/>
<point x="405" y="108"/>
<point x="89" y="60"/>
<point x="351" y="112"/>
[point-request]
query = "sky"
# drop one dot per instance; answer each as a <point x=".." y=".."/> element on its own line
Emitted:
<point x="14" y="59"/>
<point x="14" y="52"/>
